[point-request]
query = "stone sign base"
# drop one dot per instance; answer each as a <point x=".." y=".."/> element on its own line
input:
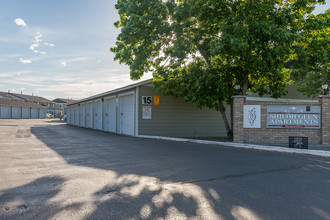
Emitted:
<point x="264" y="120"/>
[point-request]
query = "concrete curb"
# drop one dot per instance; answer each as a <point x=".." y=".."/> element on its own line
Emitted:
<point x="246" y="146"/>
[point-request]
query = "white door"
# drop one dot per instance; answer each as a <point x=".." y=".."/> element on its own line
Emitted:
<point x="34" y="113"/>
<point x="89" y="115"/>
<point x="110" y="115"/>
<point x="82" y="115"/>
<point x="76" y="115"/>
<point x="72" y="115"/>
<point x="68" y="116"/>
<point x="98" y="115"/>
<point x="5" y="111"/>
<point x="126" y="114"/>
<point x="42" y="113"/>
<point x="16" y="112"/>
<point x="25" y="112"/>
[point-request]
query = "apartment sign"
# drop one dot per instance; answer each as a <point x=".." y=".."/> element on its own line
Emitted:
<point x="289" y="116"/>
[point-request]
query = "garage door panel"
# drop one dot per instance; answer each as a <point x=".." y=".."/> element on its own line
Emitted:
<point x="5" y="112"/>
<point x="89" y="115"/>
<point x="25" y="112"/>
<point x="76" y="116"/>
<point x="110" y="115"/>
<point x="97" y="115"/>
<point x="82" y="115"/>
<point x="42" y="113"/>
<point x="34" y="113"/>
<point x="16" y="112"/>
<point x="127" y="115"/>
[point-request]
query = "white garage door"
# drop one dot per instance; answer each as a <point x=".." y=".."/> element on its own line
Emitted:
<point x="126" y="115"/>
<point x="72" y="115"/>
<point x="68" y="115"/>
<point x="110" y="115"/>
<point x="5" y="111"/>
<point x="98" y="115"/>
<point x="42" y="113"/>
<point x="82" y="115"/>
<point x="34" y="113"/>
<point x="16" y="112"/>
<point x="89" y="115"/>
<point x="25" y="112"/>
<point x="76" y="115"/>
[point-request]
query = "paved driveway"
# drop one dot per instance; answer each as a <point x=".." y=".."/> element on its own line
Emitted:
<point x="49" y="170"/>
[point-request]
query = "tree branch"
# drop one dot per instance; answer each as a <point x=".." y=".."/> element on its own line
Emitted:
<point x="204" y="56"/>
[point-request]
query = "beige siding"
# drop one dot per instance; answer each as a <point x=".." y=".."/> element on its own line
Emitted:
<point x="175" y="118"/>
<point x="292" y="94"/>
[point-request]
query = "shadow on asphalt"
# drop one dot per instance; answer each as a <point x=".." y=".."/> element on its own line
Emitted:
<point x="27" y="198"/>
<point x="153" y="179"/>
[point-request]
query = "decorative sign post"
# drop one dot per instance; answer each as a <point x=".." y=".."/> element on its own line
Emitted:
<point x="289" y="116"/>
<point x="251" y="117"/>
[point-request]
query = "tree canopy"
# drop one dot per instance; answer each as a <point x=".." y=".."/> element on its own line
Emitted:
<point x="199" y="49"/>
<point x="311" y="63"/>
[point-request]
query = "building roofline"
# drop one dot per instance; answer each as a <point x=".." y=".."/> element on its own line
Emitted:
<point x="112" y="91"/>
<point x="16" y="103"/>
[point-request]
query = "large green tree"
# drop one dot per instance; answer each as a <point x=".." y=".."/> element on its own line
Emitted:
<point x="198" y="49"/>
<point x="311" y="63"/>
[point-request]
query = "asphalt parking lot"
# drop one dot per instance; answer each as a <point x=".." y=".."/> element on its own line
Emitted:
<point x="50" y="170"/>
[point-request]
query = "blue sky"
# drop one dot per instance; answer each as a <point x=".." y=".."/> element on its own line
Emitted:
<point x="60" y="48"/>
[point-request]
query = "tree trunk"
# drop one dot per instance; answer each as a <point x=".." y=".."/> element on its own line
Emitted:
<point x="245" y="85"/>
<point x="225" y="120"/>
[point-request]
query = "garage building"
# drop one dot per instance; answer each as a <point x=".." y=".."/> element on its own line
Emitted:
<point x="139" y="109"/>
<point x="11" y="109"/>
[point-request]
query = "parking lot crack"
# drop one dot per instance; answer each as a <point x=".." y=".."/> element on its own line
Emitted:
<point x="226" y="177"/>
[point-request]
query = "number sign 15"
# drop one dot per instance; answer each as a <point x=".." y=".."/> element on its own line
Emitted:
<point x="146" y="100"/>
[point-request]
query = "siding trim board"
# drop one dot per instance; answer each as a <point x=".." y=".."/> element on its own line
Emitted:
<point x="137" y="104"/>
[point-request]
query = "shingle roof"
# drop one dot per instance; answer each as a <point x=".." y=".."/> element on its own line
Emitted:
<point x="113" y="91"/>
<point x="8" y="96"/>
<point x="20" y="104"/>
<point x="21" y="97"/>
<point x="34" y="98"/>
<point x="60" y="100"/>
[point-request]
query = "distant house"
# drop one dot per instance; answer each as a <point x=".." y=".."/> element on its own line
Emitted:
<point x="61" y="104"/>
<point x="29" y="101"/>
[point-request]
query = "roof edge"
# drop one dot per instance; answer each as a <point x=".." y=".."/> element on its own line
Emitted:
<point x="112" y="91"/>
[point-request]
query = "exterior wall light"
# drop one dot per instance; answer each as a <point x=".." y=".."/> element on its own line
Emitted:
<point x="325" y="87"/>
<point x="237" y="87"/>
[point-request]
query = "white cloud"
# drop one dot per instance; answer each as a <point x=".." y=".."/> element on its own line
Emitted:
<point x="65" y="62"/>
<point x="24" y="61"/>
<point x="13" y="74"/>
<point x="49" y="44"/>
<point x="36" y="44"/>
<point x="20" y="22"/>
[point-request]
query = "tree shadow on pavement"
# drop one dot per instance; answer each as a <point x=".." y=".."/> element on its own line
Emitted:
<point x="34" y="200"/>
<point x="130" y="178"/>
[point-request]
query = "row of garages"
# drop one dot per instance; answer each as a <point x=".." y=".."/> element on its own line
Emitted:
<point x="21" y="110"/>
<point x="101" y="114"/>
<point x="139" y="109"/>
